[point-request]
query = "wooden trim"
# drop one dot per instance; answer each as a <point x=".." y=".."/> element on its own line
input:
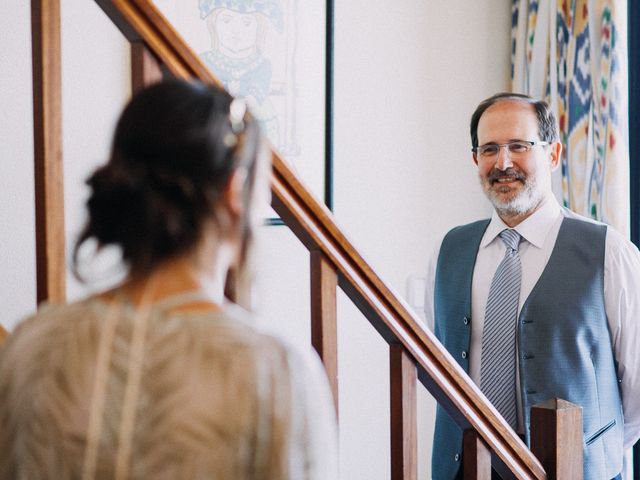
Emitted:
<point x="476" y="457"/>
<point x="314" y="225"/>
<point x="404" y="418"/>
<point x="328" y="105"/>
<point x="324" y="325"/>
<point x="633" y="47"/>
<point x="47" y="133"/>
<point x="3" y="334"/>
<point x="145" y="68"/>
<point x="556" y="438"/>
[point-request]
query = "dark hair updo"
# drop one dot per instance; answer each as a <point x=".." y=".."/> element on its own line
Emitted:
<point x="173" y="152"/>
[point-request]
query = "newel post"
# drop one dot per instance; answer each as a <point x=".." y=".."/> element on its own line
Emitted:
<point x="556" y="438"/>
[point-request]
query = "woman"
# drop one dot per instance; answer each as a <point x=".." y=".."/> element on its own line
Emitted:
<point x="159" y="377"/>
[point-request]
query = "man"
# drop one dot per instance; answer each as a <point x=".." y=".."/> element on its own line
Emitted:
<point x="537" y="302"/>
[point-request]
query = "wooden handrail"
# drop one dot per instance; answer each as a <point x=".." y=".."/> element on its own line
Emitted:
<point x="314" y="225"/>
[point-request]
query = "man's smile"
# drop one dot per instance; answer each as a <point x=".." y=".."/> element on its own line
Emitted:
<point x="505" y="178"/>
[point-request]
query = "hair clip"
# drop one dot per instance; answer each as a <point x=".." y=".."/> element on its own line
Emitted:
<point x="230" y="140"/>
<point x="237" y="110"/>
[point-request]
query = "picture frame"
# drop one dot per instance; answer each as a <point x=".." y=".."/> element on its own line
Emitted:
<point x="267" y="51"/>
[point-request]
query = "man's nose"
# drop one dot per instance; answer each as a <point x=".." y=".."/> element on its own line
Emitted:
<point x="503" y="160"/>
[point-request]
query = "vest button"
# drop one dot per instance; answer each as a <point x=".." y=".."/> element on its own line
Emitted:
<point x="466" y="320"/>
<point x="456" y="457"/>
<point x="464" y="354"/>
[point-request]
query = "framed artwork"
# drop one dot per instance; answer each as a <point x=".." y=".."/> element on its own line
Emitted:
<point x="278" y="56"/>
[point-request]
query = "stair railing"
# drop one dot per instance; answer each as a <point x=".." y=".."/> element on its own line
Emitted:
<point x="414" y="352"/>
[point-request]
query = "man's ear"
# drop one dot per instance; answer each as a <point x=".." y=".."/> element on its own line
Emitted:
<point x="555" y="152"/>
<point x="232" y="195"/>
<point x="475" y="158"/>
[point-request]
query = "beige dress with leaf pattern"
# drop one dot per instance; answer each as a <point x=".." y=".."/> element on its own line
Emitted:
<point x="217" y="399"/>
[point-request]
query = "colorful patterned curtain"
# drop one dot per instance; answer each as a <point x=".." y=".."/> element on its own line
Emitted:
<point x="573" y="53"/>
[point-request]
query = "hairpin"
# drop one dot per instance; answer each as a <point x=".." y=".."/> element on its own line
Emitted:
<point x="237" y="110"/>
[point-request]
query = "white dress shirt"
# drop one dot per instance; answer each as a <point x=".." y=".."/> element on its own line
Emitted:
<point x="621" y="296"/>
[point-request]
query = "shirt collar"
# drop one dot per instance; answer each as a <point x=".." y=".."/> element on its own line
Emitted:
<point x="533" y="229"/>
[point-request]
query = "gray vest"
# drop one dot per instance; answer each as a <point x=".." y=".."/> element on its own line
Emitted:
<point x="564" y="343"/>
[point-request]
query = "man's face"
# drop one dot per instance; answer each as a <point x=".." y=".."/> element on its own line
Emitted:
<point x="515" y="184"/>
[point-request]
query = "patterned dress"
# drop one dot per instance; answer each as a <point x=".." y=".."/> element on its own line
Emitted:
<point x="215" y="399"/>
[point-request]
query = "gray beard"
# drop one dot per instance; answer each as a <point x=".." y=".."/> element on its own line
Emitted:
<point x="526" y="201"/>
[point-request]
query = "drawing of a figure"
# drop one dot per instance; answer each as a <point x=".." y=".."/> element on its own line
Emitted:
<point x="238" y="30"/>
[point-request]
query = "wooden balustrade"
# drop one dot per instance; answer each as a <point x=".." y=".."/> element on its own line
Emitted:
<point x="403" y="379"/>
<point x="476" y="462"/>
<point x="47" y="146"/>
<point x="145" y="68"/>
<point x="334" y="260"/>
<point x="324" y="324"/>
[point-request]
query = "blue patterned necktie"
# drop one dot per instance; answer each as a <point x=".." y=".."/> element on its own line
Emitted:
<point x="498" y="361"/>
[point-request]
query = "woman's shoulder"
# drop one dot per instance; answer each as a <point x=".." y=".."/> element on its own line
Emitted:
<point x="46" y="343"/>
<point x="235" y="327"/>
<point x="243" y="331"/>
<point x="50" y="317"/>
<point x="47" y="318"/>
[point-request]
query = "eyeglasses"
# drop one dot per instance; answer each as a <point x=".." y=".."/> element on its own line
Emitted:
<point x="516" y="149"/>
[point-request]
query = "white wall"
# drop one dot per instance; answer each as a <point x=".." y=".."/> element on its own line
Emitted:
<point x="408" y="76"/>
<point x="95" y="87"/>
<point x="407" y="79"/>
<point x="17" y="217"/>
